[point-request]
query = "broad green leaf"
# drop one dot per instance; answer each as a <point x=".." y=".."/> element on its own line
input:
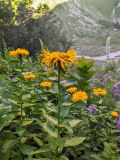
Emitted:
<point x="42" y="150"/>
<point x="8" y="145"/>
<point x="12" y="101"/>
<point x="27" y="122"/>
<point x="7" y="121"/>
<point x="26" y="96"/>
<point x="26" y="149"/>
<point x="50" y="130"/>
<point x="74" y="122"/>
<point x="74" y="141"/>
<point x="50" y="107"/>
<point x="51" y="119"/>
<point x="66" y="104"/>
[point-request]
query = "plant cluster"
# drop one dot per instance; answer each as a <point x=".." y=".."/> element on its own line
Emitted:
<point x="49" y="110"/>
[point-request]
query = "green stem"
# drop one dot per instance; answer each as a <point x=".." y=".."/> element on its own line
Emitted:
<point x="20" y="58"/>
<point x="59" y="99"/>
<point x="21" y="103"/>
<point x="21" y="108"/>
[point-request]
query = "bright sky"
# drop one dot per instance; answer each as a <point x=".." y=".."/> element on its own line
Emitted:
<point x="51" y="3"/>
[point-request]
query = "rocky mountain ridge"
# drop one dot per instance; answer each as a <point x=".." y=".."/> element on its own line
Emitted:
<point x="84" y="24"/>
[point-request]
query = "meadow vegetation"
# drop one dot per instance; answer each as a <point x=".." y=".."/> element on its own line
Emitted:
<point x="58" y="107"/>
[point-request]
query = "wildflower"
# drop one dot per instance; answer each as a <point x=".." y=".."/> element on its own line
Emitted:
<point x="79" y="96"/>
<point x="118" y="125"/>
<point x="30" y="76"/>
<point x="114" y="114"/>
<point x="118" y="122"/>
<point x="12" y="79"/>
<point x="92" y="109"/>
<point x="20" y="52"/>
<point x="46" y="84"/>
<point x="72" y="89"/>
<point x="117" y="95"/>
<point x="99" y="92"/>
<point x="116" y="88"/>
<point x="58" y="59"/>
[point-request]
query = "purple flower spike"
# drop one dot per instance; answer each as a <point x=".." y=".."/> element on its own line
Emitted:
<point x="118" y="118"/>
<point x="118" y="125"/>
<point x="92" y="109"/>
<point x="116" y="86"/>
<point x="118" y="122"/>
<point x="117" y="95"/>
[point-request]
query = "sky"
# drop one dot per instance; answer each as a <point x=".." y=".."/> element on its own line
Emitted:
<point x="51" y="3"/>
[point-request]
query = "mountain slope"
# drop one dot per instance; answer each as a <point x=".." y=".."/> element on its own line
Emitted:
<point x="84" y="24"/>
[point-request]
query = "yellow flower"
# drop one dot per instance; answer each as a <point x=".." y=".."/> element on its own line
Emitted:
<point x="58" y="59"/>
<point x="46" y="84"/>
<point x="79" y="96"/>
<point x="72" y="89"/>
<point x="30" y="76"/>
<point x="19" y="51"/>
<point x="99" y="92"/>
<point x="114" y="114"/>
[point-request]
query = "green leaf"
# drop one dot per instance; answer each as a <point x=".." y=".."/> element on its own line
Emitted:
<point x="51" y="119"/>
<point x="74" y="122"/>
<point x="61" y="144"/>
<point x="26" y="96"/>
<point x="4" y="156"/>
<point x="42" y="150"/>
<point x="83" y="63"/>
<point x="8" y="145"/>
<point x="38" y="141"/>
<point x="27" y="122"/>
<point x="37" y="159"/>
<point x="50" y="130"/>
<point x="7" y="121"/>
<point x="26" y="149"/>
<point x="21" y="131"/>
<point x="64" y="111"/>
<point x="63" y="157"/>
<point x="74" y="141"/>
<point x="67" y="126"/>
<point x="17" y="158"/>
<point x="96" y="157"/>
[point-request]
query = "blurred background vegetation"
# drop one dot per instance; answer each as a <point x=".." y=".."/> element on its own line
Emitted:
<point x="83" y="24"/>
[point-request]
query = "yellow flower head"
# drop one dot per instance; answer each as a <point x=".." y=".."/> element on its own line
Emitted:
<point x="30" y="76"/>
<point x="46" y="84"/>
<point x="114" y="114"/>
<point x="99" y="92"/>
<point x="79" y="96"/>
<point x="19" y="51"/>
<point x="72" y="89"/>
<point x="58" y="59"/>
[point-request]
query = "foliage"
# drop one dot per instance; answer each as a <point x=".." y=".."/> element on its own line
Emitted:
<point x="19" y="24"/>
<point x="43" y="123"/>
